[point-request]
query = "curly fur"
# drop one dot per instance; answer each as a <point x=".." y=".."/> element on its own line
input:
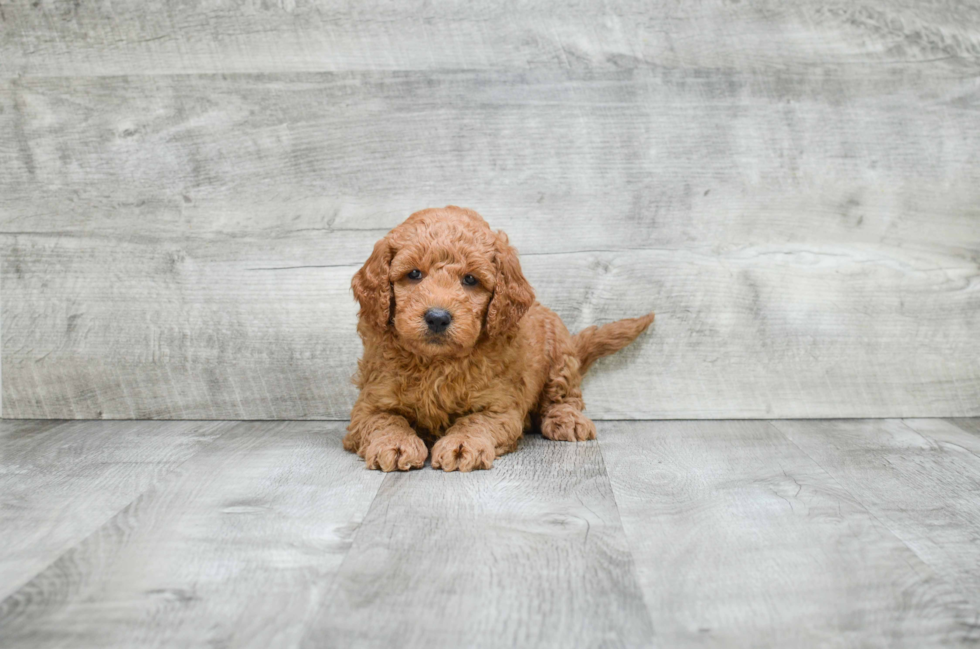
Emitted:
<point x="505" y="363"/>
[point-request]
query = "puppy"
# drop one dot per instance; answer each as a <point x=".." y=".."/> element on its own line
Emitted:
<point x="458" y="353"/>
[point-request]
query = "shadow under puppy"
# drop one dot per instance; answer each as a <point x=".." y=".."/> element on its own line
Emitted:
<point x="458" y="353"/>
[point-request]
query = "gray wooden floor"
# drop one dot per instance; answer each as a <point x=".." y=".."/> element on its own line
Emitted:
<point x="675" y="533"/>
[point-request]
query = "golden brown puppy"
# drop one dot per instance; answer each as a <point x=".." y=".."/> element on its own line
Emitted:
<point x="458" y="353"/>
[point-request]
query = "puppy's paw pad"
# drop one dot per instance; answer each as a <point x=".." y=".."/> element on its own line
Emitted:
<point x="463" y="453"/>
<point x="565" y="423"/>
<point x="399" y="452"/>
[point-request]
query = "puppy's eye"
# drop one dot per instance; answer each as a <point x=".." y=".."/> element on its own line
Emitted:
<point x="414" y="274"/>
<point x="469" y="280"/>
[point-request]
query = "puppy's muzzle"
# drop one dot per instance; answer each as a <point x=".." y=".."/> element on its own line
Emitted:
<point x="438" y="320"/>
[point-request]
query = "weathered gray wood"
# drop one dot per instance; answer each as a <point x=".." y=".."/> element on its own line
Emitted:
<point x="59" y="482"/>
<point x="601" y="158"/>
<point x="138" y="37"/>
<point x="232" y="549"/>
<point x="920" y="479"/>
<point x="180" y="247"/>
<point x="528" y="554"/>
<point x="724" y="533"/>
<point x="13" y="429"/>
<point x="969" y="425"/>
<point x="740" y="539"/>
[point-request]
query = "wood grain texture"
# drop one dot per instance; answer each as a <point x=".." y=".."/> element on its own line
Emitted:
<point x="742" y="540"/>
<point x="59" y="482"/>
<point x="181" y="246"/>
<point x="233" y="549"/>
<point x="969" y="425"/>
<point x="699" y="534"/>
<point x="528" y="554"/>
<point x="59" y="37"/>
<point x="920" y="478"/>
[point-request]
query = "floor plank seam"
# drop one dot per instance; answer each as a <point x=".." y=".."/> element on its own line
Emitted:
<point x="330" y="593"/>
<point x="632" y="556"/>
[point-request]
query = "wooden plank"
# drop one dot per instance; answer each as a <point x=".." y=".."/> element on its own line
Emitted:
<point x="233" y="549"/>
<point x="12" y="429"/>
<point x="920" y="478"/>
<point x="180" y="247"/>
<point x="141" y="335"/>
<point x="133" y="37"/>
<point x="208" y="339"/>
<point x="59" y="482"/>
<point x="528" y="554"/>
<point x="650" y="158"/>
<point x="741" y="540"/>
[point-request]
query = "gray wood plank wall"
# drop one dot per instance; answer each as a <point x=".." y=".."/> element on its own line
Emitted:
<point x="793" y="187"/>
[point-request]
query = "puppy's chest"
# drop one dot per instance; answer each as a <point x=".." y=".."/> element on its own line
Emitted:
<point x="433" y="399"/>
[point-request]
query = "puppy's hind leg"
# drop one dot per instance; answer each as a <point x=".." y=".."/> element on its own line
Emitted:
<point x="561" y="404"/>
<point x="565" y="422"/>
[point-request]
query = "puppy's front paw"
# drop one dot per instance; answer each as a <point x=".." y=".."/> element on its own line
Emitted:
<point x="565" y="423"/>
<point x="395" y="452"/>
<point x="462" y="452"/>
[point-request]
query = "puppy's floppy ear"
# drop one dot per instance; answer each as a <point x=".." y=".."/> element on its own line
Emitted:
<point x="512" y="294"/>
<point x="372" y="286"/>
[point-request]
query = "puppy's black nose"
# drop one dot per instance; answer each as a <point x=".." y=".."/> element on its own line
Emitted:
<point x="438" y="320"/>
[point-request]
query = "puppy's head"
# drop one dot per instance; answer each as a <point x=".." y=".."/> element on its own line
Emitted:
<point x="442" y="281"/>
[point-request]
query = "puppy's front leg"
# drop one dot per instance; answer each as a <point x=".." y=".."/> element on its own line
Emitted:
<point x="473" y="441"/>
<point x="385" y="440"/>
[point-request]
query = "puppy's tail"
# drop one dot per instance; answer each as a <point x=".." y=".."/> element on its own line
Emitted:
<point x="595" y="342"/>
